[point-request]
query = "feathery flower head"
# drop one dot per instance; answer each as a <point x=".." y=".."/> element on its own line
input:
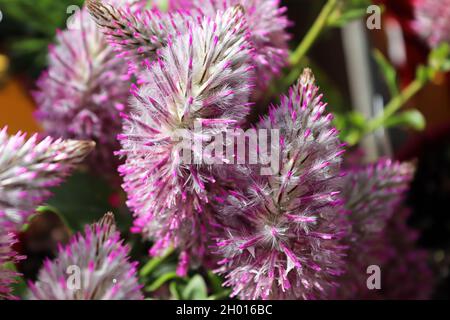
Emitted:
<point x="405" y="268"/>
<point x="432" y="21"/>
<point x="84" y="89"/>
<point x="203" y="78"/>
<point x="267" y="24"/>
<point x="137" y="35"/>
<point x="7" y="254"/>
<point x="100" y="261"/>
<point x="288" y="248"/>
<point x="403" y="262"/>
<point x="372" y="193"/>
<point x="28" y="168"/>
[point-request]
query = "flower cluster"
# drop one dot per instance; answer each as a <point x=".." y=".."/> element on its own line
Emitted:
<point x="372" y="197"/>
<point x="306" y="230"/>
<point x="92" y="267"/>
<point x="143" y="33"/>
<point x="84" y="89"/>
<point x="202" y="78"/>
<point x="28" y="168"/>
<point x="433" y="21"/>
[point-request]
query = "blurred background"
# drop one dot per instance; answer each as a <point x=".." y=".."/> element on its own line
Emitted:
<point x="347" y="72"/>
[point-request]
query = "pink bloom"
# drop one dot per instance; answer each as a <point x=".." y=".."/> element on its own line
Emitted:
<point x="28" y="168"/>
<point x="7" y="255"/>
<point x="372" y="193"/>
<point x="137" y="34"/>
<point x="432" y="20"/>
<point x="286" y="245"/>
<point x="267" y="24"/>
<point x="405" y="269"/>
<point x="379" y="235"/>
<point x="92" y="267"/>
<point x="84" y="89"/>
<point x="202" y="79"/>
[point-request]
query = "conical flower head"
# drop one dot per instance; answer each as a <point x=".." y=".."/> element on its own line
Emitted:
<point x="7" y="255"/>
<point x="288" y="245"/>
<point x="142" y="34"/>
<point x="267" y="24"/>
<point x="198" y="88"/>
<point x="28" y="168"/>
<point x="432" y="20"/>
<point x="84" y="89"/>
<point x="137" y="35"/>
<point x="94" y="266"/>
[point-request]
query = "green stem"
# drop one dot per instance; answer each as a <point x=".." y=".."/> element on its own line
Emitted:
<point x="313" y="33"/>
<point x="153" y="263"/>
<point x="395" y="104"/>
<point x="161" y="280"/>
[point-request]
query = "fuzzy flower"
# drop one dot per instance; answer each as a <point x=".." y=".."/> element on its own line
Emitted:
<point x="267" y="24"/>
<point x="137" y="35"/>
<point x="94" y="266"/>
<point x="84" y="89"/>
<point x="287" y="246"/>
<point x="28" y="168"/>
<point x="432" y="20"/>
<point x="405" y="268"/>
<point x="372" y="196"/>
<point x="142" y="34"/>
<point x="202" y="81"/>
<point x="372" y="193"/>
<point x="7" y="254"/>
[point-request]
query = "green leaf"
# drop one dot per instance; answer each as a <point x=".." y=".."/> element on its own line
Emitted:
<point x="195" y="289"/>
<point x="174" y="291"/>
<point x="357" y="119"/>
<point x="215" y="282"/>
<point x="29" y="45"/>
<point x="155" y="285"/>
<point x="424" y="73"/>
<point x="439" y="58"/>
<point x="83" y="198"/>
<point x="410" y="118"/>
<point x="346" y="17"/>
<point x="153" y="263"/>
<point x="389" y="73"/>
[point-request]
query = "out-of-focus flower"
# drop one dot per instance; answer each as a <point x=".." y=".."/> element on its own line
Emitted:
<point x="267" y="24"/>
<point x="372" y="193"/>
<point x="432" y="20"/>
<point x="203" y="80"/>
<point x="84" y="89"/>
<point x="7" y="255"/>
<point x="92" y="267"/>
<point x="405" y="269"/>
<point x="379" y="235"/>
<point x="288" y="245"/>
<point x="28" y="168"/>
